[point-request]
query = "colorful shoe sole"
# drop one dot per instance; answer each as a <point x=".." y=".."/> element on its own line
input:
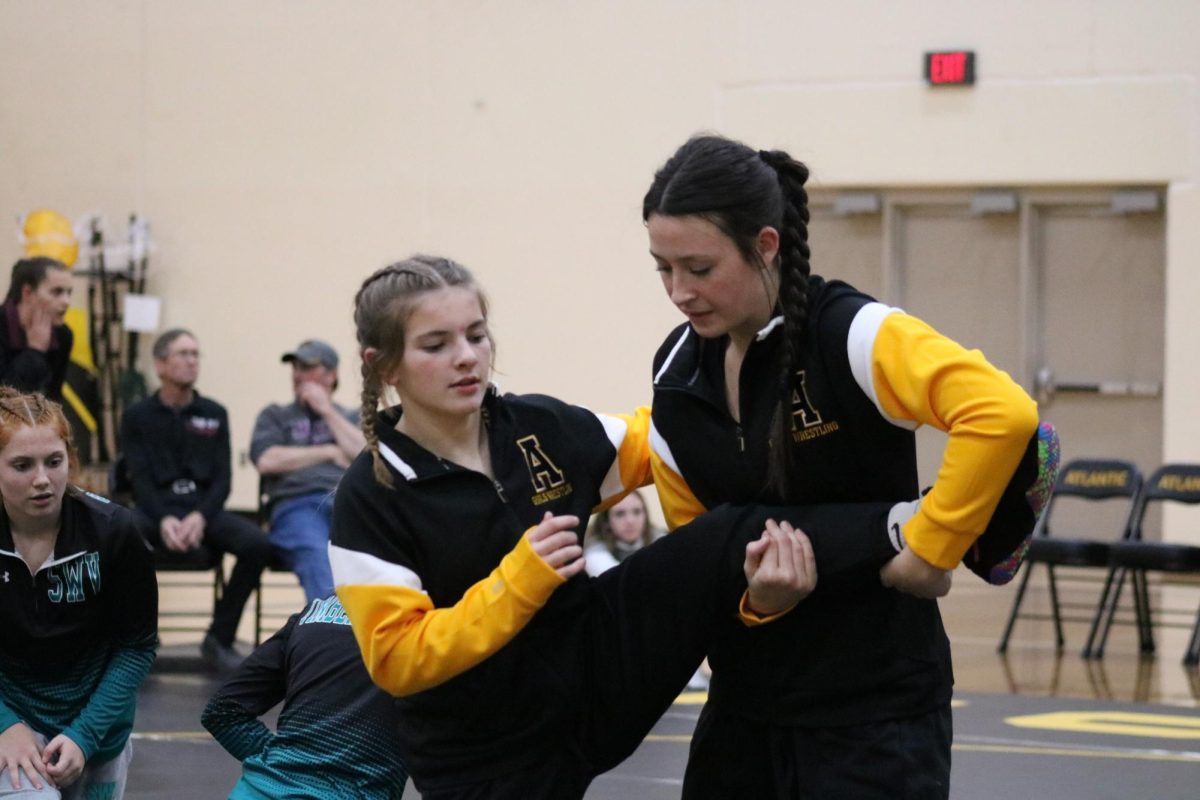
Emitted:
<point x="1038" y="495"/>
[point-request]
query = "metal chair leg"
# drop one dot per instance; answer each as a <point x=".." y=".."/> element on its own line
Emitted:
<point x="1142" y="599"/>
<point x="1192" y="657"/>
<point x="1110" y="612"/>
<point x="258" y="612"/>
<point x="1056" y="611"/>
<point x="1012" y="616"/>
<point x="1098" y="617"/>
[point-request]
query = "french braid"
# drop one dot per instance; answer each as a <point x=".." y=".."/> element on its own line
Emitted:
<point x="382" y="307"/>
<point x="30" y="410"/>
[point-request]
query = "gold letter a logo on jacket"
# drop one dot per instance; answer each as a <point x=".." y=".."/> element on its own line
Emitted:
<point x="807" y="423"/>
<point x="804" y="414"/>
<point x="549" y="483"/>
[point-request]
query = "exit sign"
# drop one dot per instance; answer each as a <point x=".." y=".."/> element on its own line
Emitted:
<point x="950" y="68"/>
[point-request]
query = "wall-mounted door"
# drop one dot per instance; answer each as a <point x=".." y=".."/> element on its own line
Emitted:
<point x="1064" y="290"/>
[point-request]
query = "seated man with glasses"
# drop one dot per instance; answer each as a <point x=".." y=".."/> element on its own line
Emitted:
<point x="175" y="445"/>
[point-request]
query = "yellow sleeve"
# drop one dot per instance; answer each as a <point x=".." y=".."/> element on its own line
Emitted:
<point x="751" y="618"/>
<point x="410" y="646"/>
<point x="630" y="434"/>
<point x="923" y="377"/>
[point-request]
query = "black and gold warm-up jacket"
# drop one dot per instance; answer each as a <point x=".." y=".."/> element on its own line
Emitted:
<point x="870" y="376"/>
<point x="453" y="611"/>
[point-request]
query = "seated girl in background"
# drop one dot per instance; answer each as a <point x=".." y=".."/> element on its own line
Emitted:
<point x="617" y="533"/>
<point x="35" y="342"/>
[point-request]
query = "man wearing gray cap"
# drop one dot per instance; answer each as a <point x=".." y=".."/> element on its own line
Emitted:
<point x="301" y="450"/>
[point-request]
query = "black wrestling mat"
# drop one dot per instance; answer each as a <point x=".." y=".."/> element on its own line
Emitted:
<point x="1005" y="746"/>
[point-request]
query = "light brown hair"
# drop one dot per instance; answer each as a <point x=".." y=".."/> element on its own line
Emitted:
<point x="601" y="530"/>
<point x="382" y="308"/>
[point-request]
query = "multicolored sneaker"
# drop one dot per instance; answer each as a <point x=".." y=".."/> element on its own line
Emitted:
<point x="999" y="552"/>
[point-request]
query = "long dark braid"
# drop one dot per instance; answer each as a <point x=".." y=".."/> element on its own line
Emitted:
<point x="741" y="191"/>
<point x="794" y="269"/>
<point x="382" y="307"/>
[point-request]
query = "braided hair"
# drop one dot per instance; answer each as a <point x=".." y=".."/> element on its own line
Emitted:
<point x="29" y="410"/>
<point x="382" y="307"/>
<point x="741" y="191"/>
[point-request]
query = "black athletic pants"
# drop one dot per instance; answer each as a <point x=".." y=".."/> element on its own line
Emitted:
<point x="653" y="619"/>
<point x="226" y="533"/>
<point x="650" y="622"/>
<point x="904" y="759"/>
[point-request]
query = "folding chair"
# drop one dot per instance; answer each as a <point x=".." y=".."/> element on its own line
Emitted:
<point x="1178" y="483"/>
<point x="1087" y="479"/>
<point x="199" y="560"/>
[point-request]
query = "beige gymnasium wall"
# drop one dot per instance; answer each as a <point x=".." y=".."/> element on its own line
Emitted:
<point x="283" y="149"/>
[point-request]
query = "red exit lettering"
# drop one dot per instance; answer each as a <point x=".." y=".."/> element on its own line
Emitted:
<point x="950" y="68"/>
<point x="947" y="67"/>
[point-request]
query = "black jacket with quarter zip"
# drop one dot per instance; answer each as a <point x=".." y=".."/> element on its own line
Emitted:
<point x="79" y="634"/>
<point x="478" y="691"/>
<point x="839" y="658"/>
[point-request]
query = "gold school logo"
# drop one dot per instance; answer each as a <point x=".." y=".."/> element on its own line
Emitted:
<point x="1097" y="478"/>
<point x="806" y="419"/>
<point x="1179" y="483"/>
<point x="549" y="483"/>
<point x="803" y="411"/>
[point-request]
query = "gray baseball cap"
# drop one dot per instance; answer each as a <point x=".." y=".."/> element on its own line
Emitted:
<point x="312" y="352"/>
